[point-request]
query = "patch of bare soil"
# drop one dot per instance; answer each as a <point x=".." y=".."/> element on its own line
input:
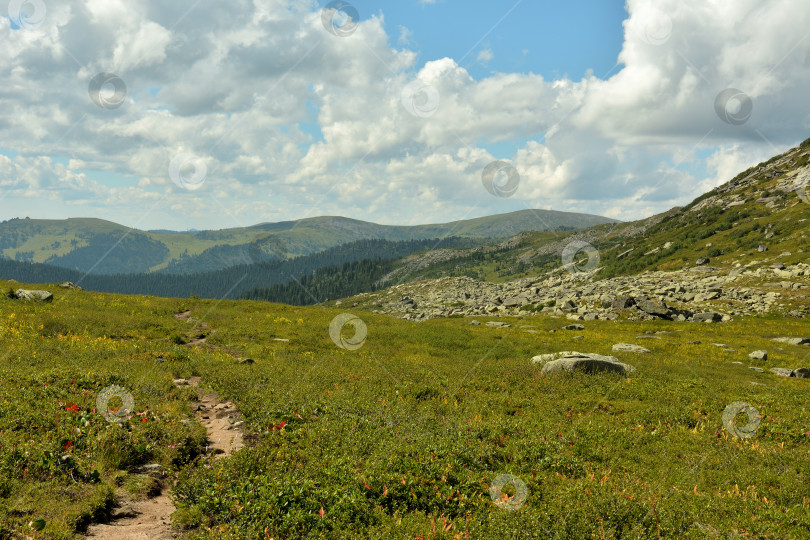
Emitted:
<point x="138" y="520"/>
<point x="150" y="518"/>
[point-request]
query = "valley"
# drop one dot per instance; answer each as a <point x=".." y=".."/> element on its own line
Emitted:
<point x="650" y="383"/>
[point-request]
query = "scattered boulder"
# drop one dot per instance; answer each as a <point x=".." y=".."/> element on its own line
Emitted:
<point x="590" y="363"/>
<point x="802" y="373"/>
<point x="652" y="307"/>
<point x="125" y="511"/>
<point x="475" y="322"/>
<point x="624" y="253"/>
<point x="782" y="372"/>
<point x="622" y="302"/>
<point x="758" y="355"/>
<point x="792" y="340"/>
<point x="70" y="285"/>
<point x="543" y="358"/>
<point x="703" y="297"/>
<point x="498" y="324"/>
<point x="757" y="369"/>
<point x="707" y="316"/>
<point x="574" y="327"/>
<point x="39" y="296"/>
<point x="703" y="261"/>
<point x="629" y="347"/>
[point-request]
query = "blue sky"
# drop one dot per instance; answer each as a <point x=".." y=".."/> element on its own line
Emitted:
<point x="548" y="38"/>
<point x="252" y="111"/>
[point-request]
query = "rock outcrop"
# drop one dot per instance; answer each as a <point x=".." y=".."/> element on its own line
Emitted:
<point x="591" y="363"/>
<point x="35" y="295"/>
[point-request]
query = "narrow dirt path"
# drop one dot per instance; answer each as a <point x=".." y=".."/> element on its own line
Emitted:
<point x="220" y="418"/>
<point x="150" y="519"/>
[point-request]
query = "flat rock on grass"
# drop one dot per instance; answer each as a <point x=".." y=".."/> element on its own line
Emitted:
<point x="39" y="296"/>
<point x="629" y="347"/>
<point x="758" y="355"/>
<point x="576" y="361"/>
<point x="498" y="324"/>
<point x="782" y="372"/>
<point x="792" y="340"/>
<point x="707" y="316"/>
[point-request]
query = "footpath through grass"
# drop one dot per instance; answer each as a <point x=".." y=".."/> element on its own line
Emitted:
<point x="411" y="435"/>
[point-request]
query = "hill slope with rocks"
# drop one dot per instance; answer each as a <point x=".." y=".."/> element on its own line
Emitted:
<point x="737" y="250"/>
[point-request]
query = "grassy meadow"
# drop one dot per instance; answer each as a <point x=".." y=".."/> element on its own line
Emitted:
<point x="405" y="436"/>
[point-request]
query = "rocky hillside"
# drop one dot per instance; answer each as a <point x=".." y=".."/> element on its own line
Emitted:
<point x="757" y="217"/>
<point x="737" y="250"/>
<point x="701" y="293"/>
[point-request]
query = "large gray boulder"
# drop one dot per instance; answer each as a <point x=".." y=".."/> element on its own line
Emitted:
<point x="570" y="361"/>
<point x="707" y="316"/>
<point x="782" y="372"/>
<point x="622" y="302"/>
<point x="652" y="307"/>
<point x="39" y="296"/>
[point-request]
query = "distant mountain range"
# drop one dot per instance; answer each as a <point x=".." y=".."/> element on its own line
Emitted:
<point x="96" y="246"/>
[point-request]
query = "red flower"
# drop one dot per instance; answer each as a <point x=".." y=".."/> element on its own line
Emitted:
<point x="67" y="445"/>
<point x="143" y="419"/>
<point x="367" y="486"/>
<point x="73" y="408"/>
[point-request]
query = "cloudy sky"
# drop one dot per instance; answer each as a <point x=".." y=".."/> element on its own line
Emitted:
<point x="203" y="114"/>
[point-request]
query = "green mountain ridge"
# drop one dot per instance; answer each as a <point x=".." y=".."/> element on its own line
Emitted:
<point x="103" y="247"/>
